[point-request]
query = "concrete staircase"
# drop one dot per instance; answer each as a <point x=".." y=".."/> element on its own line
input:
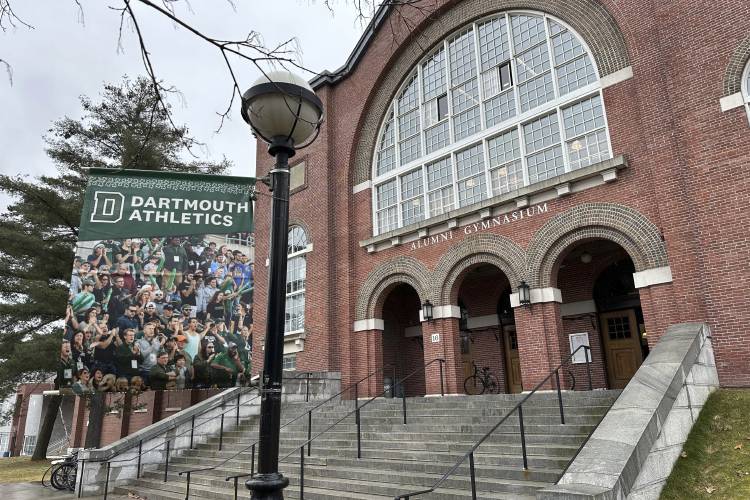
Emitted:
<point x="398" y="458"/>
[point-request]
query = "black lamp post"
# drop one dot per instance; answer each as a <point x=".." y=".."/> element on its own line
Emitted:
<point x="524" y="293"/>
<point x="427" y="310"/>
<point x="283" y="111"/>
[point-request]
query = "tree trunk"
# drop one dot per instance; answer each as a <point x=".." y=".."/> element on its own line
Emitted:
<point x="96" y="419"/>
<point x="45" y="430"/>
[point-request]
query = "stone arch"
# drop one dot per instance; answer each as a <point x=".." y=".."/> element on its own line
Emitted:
<point x="384" y="277"/>
<point x="589" y="18"/>
<point x="630" y="229"/>
<point x="736" y="67"/>
<point x="482" y="248"/>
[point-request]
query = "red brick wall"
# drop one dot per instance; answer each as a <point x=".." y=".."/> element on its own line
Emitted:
<point x="687" y="175"/>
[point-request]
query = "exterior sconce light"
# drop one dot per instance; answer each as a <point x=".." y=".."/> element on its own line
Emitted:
<point x="524" y="293"/>
<point x="427" y="310"/>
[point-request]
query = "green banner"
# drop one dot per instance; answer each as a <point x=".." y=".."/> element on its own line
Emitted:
<point x="142" y="203"/>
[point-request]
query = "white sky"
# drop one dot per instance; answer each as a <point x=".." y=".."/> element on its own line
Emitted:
<point x="61" y="59"/>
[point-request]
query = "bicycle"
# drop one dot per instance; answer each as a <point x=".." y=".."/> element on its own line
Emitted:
<point x="64" y="472"/>
<point x="481" y="382"/>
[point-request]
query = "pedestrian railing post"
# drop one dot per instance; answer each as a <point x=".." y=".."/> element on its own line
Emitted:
<point x="252" y="461"/>
<point x="403" y="406"/>
<point x="442" y="384"/>
<point x="559" y="397"/>
<point x="586" y="351"/>
<point x="473" y="477"/>
<point x="237" y="418"/>
<point x="80" y="478"/>
<point x="356" y="395"/>
<point x="106" y="483"/>
<point x="138" y="469"/>
<point x="309" y="432"/>
<point x="359" y="433"/>
<point x="187" y="487"/>
<point x="192" y="430"/>
<point x="302" y="472"/>
<point x="523" y="438"/>
<point x="235" y="488"/>
<point x="166" y="463"/>
<point x="307" y="390"/>
<point x="221" y="433"/>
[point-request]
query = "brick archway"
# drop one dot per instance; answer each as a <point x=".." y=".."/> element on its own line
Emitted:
<point x="589" y="18"/>
<point x="736" y="67"/>
<point x="384" y="277"/>
<point x="623" y="225"/>
<point x="484" y="248"/>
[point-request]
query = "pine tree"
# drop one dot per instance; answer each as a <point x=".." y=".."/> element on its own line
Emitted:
<point x="123" y="129"/>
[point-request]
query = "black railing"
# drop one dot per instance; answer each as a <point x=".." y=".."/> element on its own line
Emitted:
<point x="518" y="408"/>
<point x="252" y="447"/>
<point x="358" y="421"/>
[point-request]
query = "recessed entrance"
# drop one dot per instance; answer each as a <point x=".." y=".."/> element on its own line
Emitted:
<point x="487" y="327"/>
<point x="601" y="306"/>
<point x="403" y="352"/>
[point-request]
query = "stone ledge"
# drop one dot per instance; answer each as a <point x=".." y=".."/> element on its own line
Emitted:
<point x="632" y="451"/>
<point x="606" y="170"/>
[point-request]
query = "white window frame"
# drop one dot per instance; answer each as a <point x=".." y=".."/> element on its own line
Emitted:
<point x="486" y="133"/>
<point x="301" y="253"/>
<point x="745" y="89"/>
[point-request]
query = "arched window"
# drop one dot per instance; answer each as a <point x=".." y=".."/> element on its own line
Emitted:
<point x="505" y="102"/>
<point x="296" y="274"/>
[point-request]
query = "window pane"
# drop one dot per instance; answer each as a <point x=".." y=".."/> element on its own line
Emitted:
<point x="410" y="149"/>
<point x="491" y="82"/>
<point x="465" y="96"/>
<point x="430" y="115"/>
<point x="470" y="168"/>
<point x="546" y="164"/>
<point x="583" y="116"/>
<point x="536" y="92"/>
<point x="441" y="201"/>
<point x="462" y="60"/>
<point x="437" y="137"/>
<point x="386" y="194"/>
<point x="532" y="63"/>
<point x="440" y="186"/>
<point x="408" y="124"/>
<point x="296" y="273"/>
<point x="494" y="46"/>
<point x="566" y="47"/>
<point x="387" y="219"/>
<point x="409" y="97"/>
<point x="507" y="178"/>
<point x="575" y="74"/>
<point x="442" y="105"/>
<point x="386" y="160"/>
<point x="296" y="240"/>
<point x="467" y="123"/>
<point x="433" y="74"/>
<point x="527" y="31"/>
<point x="500" y="108"/>
<point x="295" y="313"/>
<point x="411" y="184"/>
<point x="469" y="162"/>
<point x="506" y="76"/>
<point x="504" y="148"/>
<point x="588" y="149"/>
<point x="541" y="133"/>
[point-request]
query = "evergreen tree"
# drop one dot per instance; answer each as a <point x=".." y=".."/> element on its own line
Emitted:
<point x="38" y="232"/>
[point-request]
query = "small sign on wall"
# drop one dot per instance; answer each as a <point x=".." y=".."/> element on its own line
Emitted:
<point x="576" y="340"/>
<point x="435" y="338"/>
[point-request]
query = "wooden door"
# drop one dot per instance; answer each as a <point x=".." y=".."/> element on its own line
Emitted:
<point x="622" y="346"/>
<point x="512" y="360"/>
<point x="465" y="339"/>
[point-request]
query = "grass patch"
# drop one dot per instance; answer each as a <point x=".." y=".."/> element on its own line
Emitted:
<point x="21" y="469"/>
<point x="715" y="461"/>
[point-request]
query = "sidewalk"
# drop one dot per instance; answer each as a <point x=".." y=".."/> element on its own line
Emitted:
<point x="32" y="491"/>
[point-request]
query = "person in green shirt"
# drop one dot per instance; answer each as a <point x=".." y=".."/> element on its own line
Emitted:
<point x="128" y="356"/>
<point x="158" y="376"/>
<point x="226" y="366"/>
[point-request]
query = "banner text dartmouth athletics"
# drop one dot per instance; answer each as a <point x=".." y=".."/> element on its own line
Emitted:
<point x="143" y="203"/>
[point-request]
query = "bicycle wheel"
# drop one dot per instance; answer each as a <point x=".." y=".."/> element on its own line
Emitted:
<point x="473" y="385"/>
<point x="58" y="478"/>
<point x="493" y="386"/>
<point x="70" y="476"/>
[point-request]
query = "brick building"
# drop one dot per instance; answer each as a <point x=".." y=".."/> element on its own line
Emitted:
<point x="595" y="150"/>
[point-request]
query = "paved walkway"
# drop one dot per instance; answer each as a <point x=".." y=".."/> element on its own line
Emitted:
<point x="32" y="491"/>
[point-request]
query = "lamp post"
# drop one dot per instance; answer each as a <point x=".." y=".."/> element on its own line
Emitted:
<point x="284" y="112"/>
<point x="524" y="294"/>
<point x="427" y="310"/>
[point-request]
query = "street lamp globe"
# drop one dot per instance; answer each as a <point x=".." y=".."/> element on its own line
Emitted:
<point x="283" y="111"/>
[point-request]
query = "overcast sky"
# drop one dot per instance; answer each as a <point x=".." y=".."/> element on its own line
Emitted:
<point x="62" y="59"/>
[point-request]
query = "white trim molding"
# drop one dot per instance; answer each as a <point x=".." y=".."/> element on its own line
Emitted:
<point x="362" y="186"/>
<point x="538" y="296"/>
<point x="449" y="311"/>
<point x="575" y="308"/>
<point x="731" y="102"/>
<point x="654" y="276"/>
<point x="368" y="324"/>
<point x="616" y="77"/>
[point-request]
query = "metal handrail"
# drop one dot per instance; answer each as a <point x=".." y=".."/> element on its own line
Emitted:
<point x="519" y="407"/>
<point x="356" y="411"/>
<point x="252" y="446"/>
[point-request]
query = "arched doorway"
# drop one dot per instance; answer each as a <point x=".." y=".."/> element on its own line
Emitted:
<point x="487" y="329"/>
<point x="602" y="307"/>
<point x="403" y="351"/>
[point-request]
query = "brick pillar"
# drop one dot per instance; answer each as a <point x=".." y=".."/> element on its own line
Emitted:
<point x="539" y="330"/>
<point x="374" y="384"/>
<point x="659" y="311"/>
<point x="77" y="423"/>
<point x="449" y="349"/>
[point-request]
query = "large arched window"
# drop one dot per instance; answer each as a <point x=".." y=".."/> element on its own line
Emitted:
<point x="506" y="102"/>
<point x="296" y="275"/>
<point x="746" y="88"/>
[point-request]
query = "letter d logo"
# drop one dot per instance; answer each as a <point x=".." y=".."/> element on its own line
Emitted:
<point x="107" y="207"/>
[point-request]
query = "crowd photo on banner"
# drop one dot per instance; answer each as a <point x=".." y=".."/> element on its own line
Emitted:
<point x="173" y="312"/>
